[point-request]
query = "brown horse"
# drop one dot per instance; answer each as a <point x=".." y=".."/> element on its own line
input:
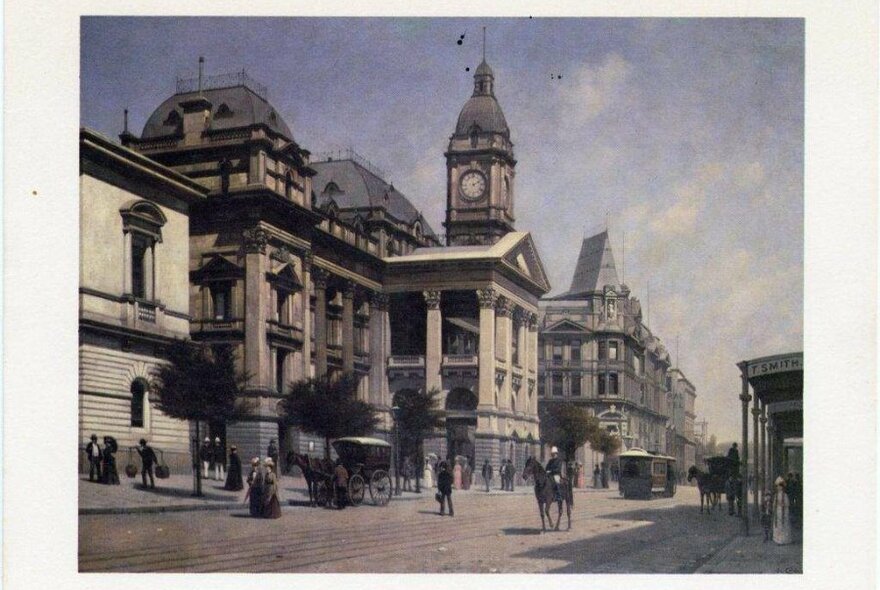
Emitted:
<point x="707" y="489"/>
<point x="312" y="469"/>
<point x="545" y="494"/>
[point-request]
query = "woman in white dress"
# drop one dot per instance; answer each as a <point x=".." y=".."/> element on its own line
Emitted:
<point x="428" y="474"/>
<point x="781" y="514"/>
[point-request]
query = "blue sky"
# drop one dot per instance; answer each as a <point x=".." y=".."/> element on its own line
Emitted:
<point x="685" y="134"/>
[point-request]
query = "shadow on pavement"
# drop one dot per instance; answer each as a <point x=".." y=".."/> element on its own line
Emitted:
<point x="186" y="493"/>
<point x="521" y="531"/>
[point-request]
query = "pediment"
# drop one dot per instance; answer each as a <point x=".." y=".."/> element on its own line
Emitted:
<point x="217" y="268"/>
<point x="566" y="326"/>
<point x="523" y="258"/>
<point x="285" y="278"/>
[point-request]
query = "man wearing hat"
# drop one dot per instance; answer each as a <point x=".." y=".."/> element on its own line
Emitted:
<point x="272" y="451"/>
<point x="93" y="452"/>
<point x="206" y="454"/>
<point x="219" y="459"/>
<point x="554" y="471"/>
<point x="148" y="459"/>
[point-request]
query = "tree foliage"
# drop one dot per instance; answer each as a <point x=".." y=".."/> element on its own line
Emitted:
<point x="568" y="427"/>
<point x="419" y="417"/>
<point x="329" y="407"/>
<point x="605" y="442"/>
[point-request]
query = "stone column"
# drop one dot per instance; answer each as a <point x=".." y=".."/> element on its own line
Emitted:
<point x="764" y="468"/>
<point x="256" y="349"/>
<point x="126" y="263"/>
<point x="149" y="292"/>
<point x="320" y="277"/>
<point x="533" y="359"/>
<point x="433" y="340"/>
<point x="503" y="311"/>
<point x="756" y="413"/>
<point x="745" y="398"/>
<point x="348" y="290"/>
<point x="519" y="321"/>
<point x="379" y="324"/>
<point x="486" y="299"/>
<point x="307" y="314"/>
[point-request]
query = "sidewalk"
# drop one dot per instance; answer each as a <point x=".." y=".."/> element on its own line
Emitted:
<point x="175" y="494"/>
<point x="751" y="555"/>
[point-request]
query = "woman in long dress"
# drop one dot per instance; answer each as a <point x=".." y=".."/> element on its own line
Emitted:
<point x="233" y="476"/>
<point x="271" y="505"/>
<point x="109" y="474"/>
<point x="781" y="514"/>
<point x="255" y="489"/>
<point x="428" y="474"/>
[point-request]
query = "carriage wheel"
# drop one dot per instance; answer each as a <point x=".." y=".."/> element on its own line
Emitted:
<point x="356" y="486"/>
<point x="324" y="495"/>
<point x="380" y="488"/>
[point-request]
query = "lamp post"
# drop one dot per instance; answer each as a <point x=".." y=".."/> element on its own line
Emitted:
<point x="395" y="412"/>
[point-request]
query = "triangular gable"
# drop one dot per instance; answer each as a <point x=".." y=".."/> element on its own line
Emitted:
<point x="566" y="326"/>
<point x="523" y="258"/>
<point x="217" y="268"/>
<point x="285" y="278"/>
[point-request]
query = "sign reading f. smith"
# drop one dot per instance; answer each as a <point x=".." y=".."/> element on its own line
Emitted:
<point x="776" y="364"/>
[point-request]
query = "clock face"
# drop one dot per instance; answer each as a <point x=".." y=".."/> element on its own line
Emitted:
<point x="473" y="185"/>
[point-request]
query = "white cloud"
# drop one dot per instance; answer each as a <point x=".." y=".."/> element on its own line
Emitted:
<point x="595" y="87"/>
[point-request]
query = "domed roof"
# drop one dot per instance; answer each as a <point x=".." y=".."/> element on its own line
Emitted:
<point x="484" y="70"/>
<point x="484" y="112"/>
<point x="231" y="107"/>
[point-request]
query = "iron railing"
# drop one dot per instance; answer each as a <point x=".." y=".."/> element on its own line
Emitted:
<point x="239" y="78"/>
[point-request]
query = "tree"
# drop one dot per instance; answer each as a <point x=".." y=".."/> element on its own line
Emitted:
<point x="419" y="417"/>
<point x="605" y="442"/>
<point x="712" y="446"/>
<point x="201" y="384"/>
<point x="329" y="407"/>
<point x="569" y="427"/>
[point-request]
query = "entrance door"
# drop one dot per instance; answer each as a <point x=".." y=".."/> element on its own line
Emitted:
<point x="461" y="439"/>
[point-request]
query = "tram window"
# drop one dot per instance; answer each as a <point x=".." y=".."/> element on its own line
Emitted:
<point x="659" y="468"/>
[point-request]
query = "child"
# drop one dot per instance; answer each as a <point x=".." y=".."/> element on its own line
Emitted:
<point x="767" y="514"/>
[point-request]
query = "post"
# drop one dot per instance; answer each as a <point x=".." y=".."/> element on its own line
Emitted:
<point x="745" y="398"/>
<point x="395" y="412"/>
<point x="433" y="339"/>
<point x="763" y="419"/>
<point x="757" y="461"/>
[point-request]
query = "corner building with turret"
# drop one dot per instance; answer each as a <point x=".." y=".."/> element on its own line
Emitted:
<point x="305" y="266"/>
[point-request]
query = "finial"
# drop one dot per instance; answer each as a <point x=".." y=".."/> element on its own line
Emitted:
<point x="484" y="43"/>
<point x="201" y="64"/>
<point x="125" y="121"/>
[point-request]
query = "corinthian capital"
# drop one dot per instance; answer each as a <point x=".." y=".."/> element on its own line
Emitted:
<point x="432" y="299"/>
<point x="255" y="240"/>
<point x="486" y="298"/>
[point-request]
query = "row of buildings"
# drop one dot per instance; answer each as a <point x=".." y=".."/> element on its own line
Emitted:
<point x="215" y="224"/>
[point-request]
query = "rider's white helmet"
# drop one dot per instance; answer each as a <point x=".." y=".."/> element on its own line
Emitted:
<point x="554" y="451"/>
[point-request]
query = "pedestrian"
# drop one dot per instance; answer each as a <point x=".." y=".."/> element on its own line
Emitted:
<point x="466" y="474"/>
<point x="148" y="459"/>
<point x="340" y="483"/>
<point x="597" y="478"/>
<point x="781" y="514"/>
<point x="93" y="453"/>
<point x="767" y="515"/>
<point x="255" y="488"/>
<point x="487" y="473"/>
<point x="502" y="474"/>
<point x="233" y="475"/>
<point x="108" y="467"/>
<point x="272" y="451"/>
<point x="456" y="474"/>
<point x="615" y="472"/>
<point x="511" y="475"/>
<point x="796" y="495"/>
<point x="444" y="488"/>
<point x="219" y="457"/>
<point x="428" y="474"/>
<point x="604" y="474"/>
<point x="407" y="474"/>
<point x="731" y="491"/>
<point x="206" y="455"/>
<point x="271" y="503"/>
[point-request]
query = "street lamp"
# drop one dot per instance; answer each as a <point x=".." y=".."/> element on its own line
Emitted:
<point x="395" y="412"/>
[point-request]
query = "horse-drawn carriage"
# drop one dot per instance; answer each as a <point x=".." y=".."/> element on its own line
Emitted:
<point x="712" y="482"/>
<point x="646" y="475"/>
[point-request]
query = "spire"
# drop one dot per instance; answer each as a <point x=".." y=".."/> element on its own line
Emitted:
<point x="484" y="44"/>
<point x="484" y="77"/>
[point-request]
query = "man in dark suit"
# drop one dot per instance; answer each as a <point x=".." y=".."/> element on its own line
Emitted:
<point x="733" y="457"/>
<point x="148" y="459"/>
<point x="93" y="452"/>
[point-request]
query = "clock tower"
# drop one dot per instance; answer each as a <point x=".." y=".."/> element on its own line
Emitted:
<point x="479" y="169"/>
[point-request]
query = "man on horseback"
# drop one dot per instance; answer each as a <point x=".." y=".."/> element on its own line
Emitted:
<point x="554" y="471"/>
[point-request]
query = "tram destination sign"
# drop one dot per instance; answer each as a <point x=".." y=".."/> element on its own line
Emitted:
<point x="782" y="364"/>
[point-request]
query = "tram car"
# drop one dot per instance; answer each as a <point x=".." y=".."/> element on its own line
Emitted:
<point x="645" y="475"/>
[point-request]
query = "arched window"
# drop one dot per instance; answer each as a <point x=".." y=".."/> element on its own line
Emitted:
<point x="223" y="112"/>
<point x="173" y="120"/>
<point x="475" y="136"/>
<point x="138" y="403"/>
<point x="142" y="223"/>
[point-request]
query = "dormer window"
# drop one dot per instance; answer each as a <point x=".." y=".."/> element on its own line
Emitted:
<point x="475" y="136"/>
<point x="331" y="188"/>
<point x="173" y="119"/>
<point x="417" y="229"/>
<point x="223" y="112"/>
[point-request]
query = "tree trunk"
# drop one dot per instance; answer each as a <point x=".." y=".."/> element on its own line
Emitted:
<point x="197" y="467"/>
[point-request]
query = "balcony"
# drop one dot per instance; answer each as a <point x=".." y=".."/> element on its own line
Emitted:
<point x="406" y="365"/>
<point x="461" y="360"/>
<point x="274" y="328"/>
<point x="218" y="325"/>
<point x="146" y="312"/>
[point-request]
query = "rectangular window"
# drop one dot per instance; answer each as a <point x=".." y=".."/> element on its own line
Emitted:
<point x="602" y="387"/>
<point x="576" y="351"/>
<point x="540" y="351"/>
<point x="557" y="351"/>
<point x="222" y="301"/>
<point x="612" y="351"/>
<point x="603" y="350"/>
<point x="541" y="386"/>
<point x="280" y="357"/>
<point x="637" y="364"/>
<point x="557" y="385"/>
<point x="138" y="271"/>
<point x="576" y="385"/>
<point x="280" y="302"/>
<point x="514" y="346"/>
<point x="612" y="384"/>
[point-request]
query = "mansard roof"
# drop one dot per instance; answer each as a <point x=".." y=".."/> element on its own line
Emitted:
<point x="595" y="268"/>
